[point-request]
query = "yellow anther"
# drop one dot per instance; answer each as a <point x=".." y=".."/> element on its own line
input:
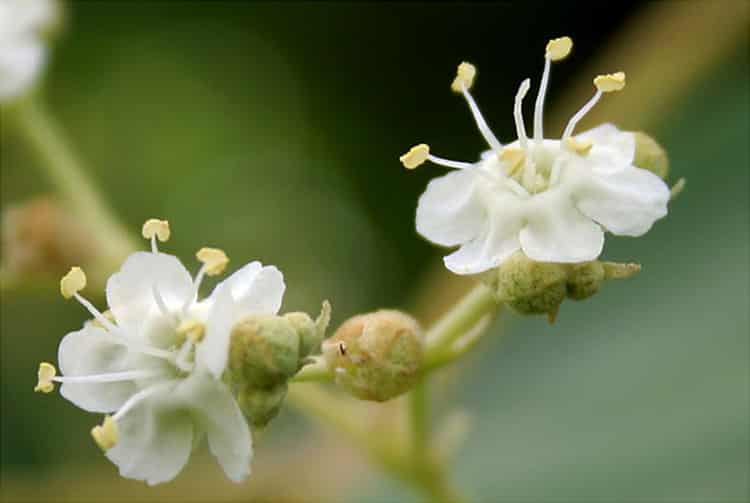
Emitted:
<point x="610" y="82"/>
<point x="155" y="227"/>
<point x="194" y="330"/>
<point x="464" y="77"/>
<point x="580" y="147"/>
<point x="73" y="282"/>
<point x="558" y="48"/>
<point x="45" y="375"/>
<point x="106" y="435"/>
<point x="214" y="259"/>
<point x="514" y="157"/>
<point x="416" y="156"/>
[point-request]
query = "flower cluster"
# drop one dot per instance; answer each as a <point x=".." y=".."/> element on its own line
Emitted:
<point x="551" y="198"/>
<point x="155" y="361"/>
<point x="23" y="51"/>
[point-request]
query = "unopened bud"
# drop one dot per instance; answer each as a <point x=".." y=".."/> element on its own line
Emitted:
<point x="41" y="236"/>
<point x="311" y="333"/>
<point x="264" y="351"/>
<point x="532" y="287"/>
<point x="650" y="155"/>
<point x="528" y="286"/>
<point x="376" y="356"/>
<point x="260" y="405"/>
<point x="585" y="279"/>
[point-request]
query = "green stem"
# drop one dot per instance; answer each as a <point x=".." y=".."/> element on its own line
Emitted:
<point x="47" y="140"/>
<point x="418" y="423"/>
<point x="316" y="371"/>
<point x="470" y="310"/>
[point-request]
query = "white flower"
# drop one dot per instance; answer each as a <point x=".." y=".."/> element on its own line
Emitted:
<point x="551" y="198"/>
<point x="23" y="52"/>
<point x="155" y="360"/>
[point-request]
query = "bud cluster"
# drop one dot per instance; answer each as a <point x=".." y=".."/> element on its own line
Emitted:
<point x="532" y="287"/>
<point x="265" y="352"/>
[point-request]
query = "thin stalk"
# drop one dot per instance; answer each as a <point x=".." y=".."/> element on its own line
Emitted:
<point x="316" y="371"/>
<point x="478" y="303"/>
<point x="65" y="170"/>
<point x="418" y="423"/>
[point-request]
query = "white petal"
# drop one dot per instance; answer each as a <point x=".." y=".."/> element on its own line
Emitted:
<point x="487" y="251"/>
<point x="130" y="292"/>
<point x="449" y="211"/>
<point x="212" y="353"/>
<point x="611" y="146"/>
<point x="557" y="232"/>
<point x="228" y="433"/>
<point x="155" y="437"/>
<point x="257" y="289"/>
<point x="88" y="352"/>
<point x="626" y="202"/>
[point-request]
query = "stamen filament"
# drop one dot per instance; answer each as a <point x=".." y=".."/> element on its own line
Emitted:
<point x="118" y="338"/>
<point x="181" y="360"/>
<point x="196" y="286"/>
<point x="160" y="302"/>
<point x="140" y="396"/>
<point x="518" y="114"/>
<point x="95" y="312"/>
<point x="539" y="105"/>
<point x="516" y="187"/>
<point x="154" y="247"/>
<point x="448" y="163"/>
<point x="484" y="129"/>
<point x="579" y="115"/>
<point x="144" y="349"/>
<point x="110" y="377"/>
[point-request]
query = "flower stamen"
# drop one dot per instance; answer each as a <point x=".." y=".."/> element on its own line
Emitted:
<point x="107" y="434"/>
<point x="45" y="378"/>
<point x="518" y="113"/>
<point x="159" y="299"/>
<point x="416" y="156"/>
<point x="194" y="330"/>
<point x="580" y="147"/>
<point x="73" y="282"/>
<point x="154" y="229"/>
<point x="514" y="158"/>
<point x="557" y="49"/>
<point x="461" y="84"/>
<point x="128" y="375"/>
<point x="214" y="260"/>
<point x="140" y="396"/>
<point x="604" y="84"/>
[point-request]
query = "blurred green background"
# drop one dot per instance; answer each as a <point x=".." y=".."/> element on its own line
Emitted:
<point x="273" y="131"/>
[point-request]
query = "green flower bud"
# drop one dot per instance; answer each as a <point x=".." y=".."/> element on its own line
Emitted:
<point x="261" y="405"/>
<point x="531" y="287"/>
<point x="311" y="333"/>
<point x="264" y="351"/>
<point x="584" y="279"/>
<point x="376" y="356"/>
<point x="527" y="286"/>
<point x="650" y="155"/>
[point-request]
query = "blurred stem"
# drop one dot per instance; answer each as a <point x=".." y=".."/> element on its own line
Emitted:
<point x="418" y="422"/>
<point x="46" y="139"/>
<point x="464" y="316"/>
<point x="315" y="371"/>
